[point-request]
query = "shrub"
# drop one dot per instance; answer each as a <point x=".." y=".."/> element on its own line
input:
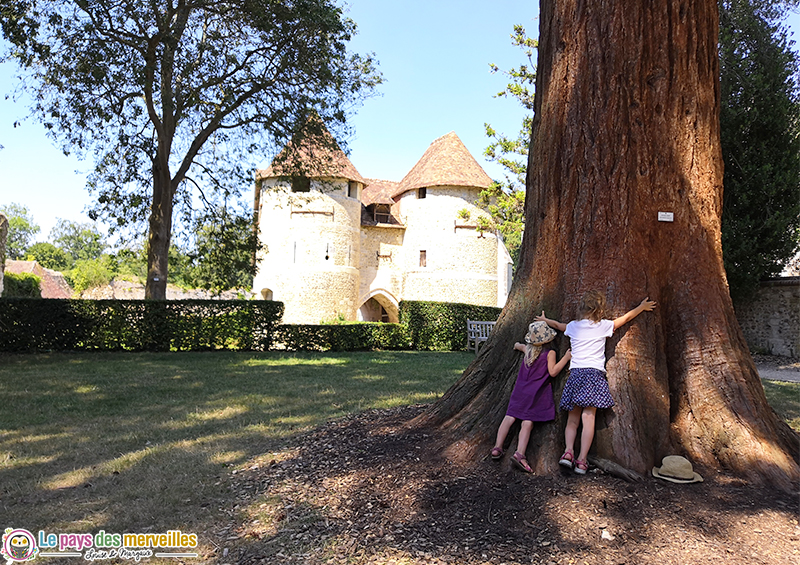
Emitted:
<point x="442" y="326"/>
<point x="344" y="337"/>
<point x="22" y="285"/>
<point x="136" y="325"/>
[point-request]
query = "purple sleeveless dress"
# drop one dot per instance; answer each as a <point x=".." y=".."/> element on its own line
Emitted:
<point x="532" y="397"/>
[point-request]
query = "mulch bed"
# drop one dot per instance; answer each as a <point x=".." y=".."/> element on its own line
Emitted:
<point x="368" y="490"/>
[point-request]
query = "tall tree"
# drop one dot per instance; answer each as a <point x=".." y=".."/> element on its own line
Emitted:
<point x="760" y="117"/>
<point x="175" y="95"/>
<point x="626" y="126"/>
<point x="223" y="251"/>
<point x="79" y="240"/>
<point x="760" y="138"/>
<point x="21" y="229"/>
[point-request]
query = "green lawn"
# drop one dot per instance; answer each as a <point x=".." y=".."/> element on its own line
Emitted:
<point x="784" y="398"/>
<point x="128" y="442"/>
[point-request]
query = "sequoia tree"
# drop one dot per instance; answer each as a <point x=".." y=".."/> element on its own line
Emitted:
<point x="173" y="97"/>
<point x="624" y="195"/>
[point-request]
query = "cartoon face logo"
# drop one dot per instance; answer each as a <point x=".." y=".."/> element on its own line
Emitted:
<point x="18" y="545"/>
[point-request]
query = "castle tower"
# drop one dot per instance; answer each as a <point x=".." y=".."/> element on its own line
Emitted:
<point x="446" y="258"/>
<point x="339" y="246"/>
<point x="309" y="215"/>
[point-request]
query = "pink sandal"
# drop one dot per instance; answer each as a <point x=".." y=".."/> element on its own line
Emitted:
<point x="497" y="453"/>
<point x="519" y="460"/>
<point x="581" y="467"/>
<point x="566" y="459"/>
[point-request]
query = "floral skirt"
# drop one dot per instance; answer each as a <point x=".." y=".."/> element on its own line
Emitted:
<point x="586" y="387"/>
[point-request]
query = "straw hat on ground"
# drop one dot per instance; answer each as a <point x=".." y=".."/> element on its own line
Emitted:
<point x="676" y="469"/>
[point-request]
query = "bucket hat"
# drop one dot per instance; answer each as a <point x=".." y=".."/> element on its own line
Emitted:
<point x="540" y="333"/>
<point x="676" y="469"/>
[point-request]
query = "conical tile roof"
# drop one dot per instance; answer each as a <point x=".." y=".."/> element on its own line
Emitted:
<point x="315" y="155"/>
<point x="447" y="162"/>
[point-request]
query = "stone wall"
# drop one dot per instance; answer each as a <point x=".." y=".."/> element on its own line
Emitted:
<point x="3" y="237"/>
<point x="771" y="322"/>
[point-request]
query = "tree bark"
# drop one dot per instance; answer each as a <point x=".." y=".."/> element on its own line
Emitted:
<point x="626" y="126"/>
<point x="160" y="231"/>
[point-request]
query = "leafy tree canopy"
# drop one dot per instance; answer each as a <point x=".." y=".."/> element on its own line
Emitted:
<point x="49" y="256"/>
<point x="172" y="99"/>
<point x="760" y="135"/>
<point x="21" y="230"/>
<point x="79" y="240"/>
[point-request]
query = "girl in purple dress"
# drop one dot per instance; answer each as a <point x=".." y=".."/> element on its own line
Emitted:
<point x="532" y="398"/>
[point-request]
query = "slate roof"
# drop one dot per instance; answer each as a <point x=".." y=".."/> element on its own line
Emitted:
<point x="316" y="155"/>
<point x="53" y="284"/>
<point x="447" y="162"/>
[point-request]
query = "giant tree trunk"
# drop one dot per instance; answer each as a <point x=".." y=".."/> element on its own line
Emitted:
<point x="627" y="126"/>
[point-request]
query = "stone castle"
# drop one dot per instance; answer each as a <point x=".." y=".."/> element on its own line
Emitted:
<point x="339" y="246"/>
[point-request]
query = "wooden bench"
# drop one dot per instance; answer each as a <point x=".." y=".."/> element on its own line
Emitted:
<point x="477" y="333"/>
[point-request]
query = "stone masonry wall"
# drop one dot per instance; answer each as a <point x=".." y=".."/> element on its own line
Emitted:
<point x="771" y="322"/>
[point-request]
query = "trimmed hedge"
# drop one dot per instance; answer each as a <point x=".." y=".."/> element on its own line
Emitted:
<point x="344" y="337"/>
<point x="137" y="325"/>
<point x="28" y="324"/>
<point x="442" y="326"/>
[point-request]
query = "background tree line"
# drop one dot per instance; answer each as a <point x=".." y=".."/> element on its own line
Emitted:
<point x="760" y="136"/>
<point x="216" y="257"/>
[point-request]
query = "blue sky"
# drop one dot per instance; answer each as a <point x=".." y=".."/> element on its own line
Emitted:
<point x="434" y="56"/>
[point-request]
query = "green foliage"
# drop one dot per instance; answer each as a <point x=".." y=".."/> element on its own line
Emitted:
<point x="172" y="99"/>
<point x="225" y="248"/>
<point x="197" y="325"/>
<point x="505" y="200"/>
<point x="49" y="256"/>
<point x="760" y="131"/>
<point x="137" y="325"/>
<point x="21" y="229"/>
<point x="130" y="263"/>
<point x="22" y="285"/>
<point x="80" y="241"/>
<point x="342" y="337"/>
<point x="442" y="326"/>
<point x="89" y="273"/>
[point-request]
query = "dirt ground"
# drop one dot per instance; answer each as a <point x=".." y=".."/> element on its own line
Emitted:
<point x="367" y="490"/>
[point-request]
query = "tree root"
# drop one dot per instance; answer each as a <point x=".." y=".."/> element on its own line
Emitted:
<point x="615" y="469"/>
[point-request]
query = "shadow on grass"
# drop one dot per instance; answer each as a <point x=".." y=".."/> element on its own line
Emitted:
<point x="126" y="442"/>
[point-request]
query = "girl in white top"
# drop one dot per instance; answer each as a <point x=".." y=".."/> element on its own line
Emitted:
<point x="586" y="388"/>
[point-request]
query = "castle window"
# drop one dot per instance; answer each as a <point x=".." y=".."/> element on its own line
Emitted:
<point x="422" y="192"/>
<point x="423" y="258"/>
<point x="382" y="213"/>
<point x="301" y="184"/>
<point x="352" y="189"/>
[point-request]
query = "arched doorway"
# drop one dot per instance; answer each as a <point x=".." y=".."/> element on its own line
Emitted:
<point x="379" y="307"/>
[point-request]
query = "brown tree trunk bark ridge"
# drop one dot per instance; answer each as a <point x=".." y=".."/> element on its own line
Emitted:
<point x="626" y="128"/>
